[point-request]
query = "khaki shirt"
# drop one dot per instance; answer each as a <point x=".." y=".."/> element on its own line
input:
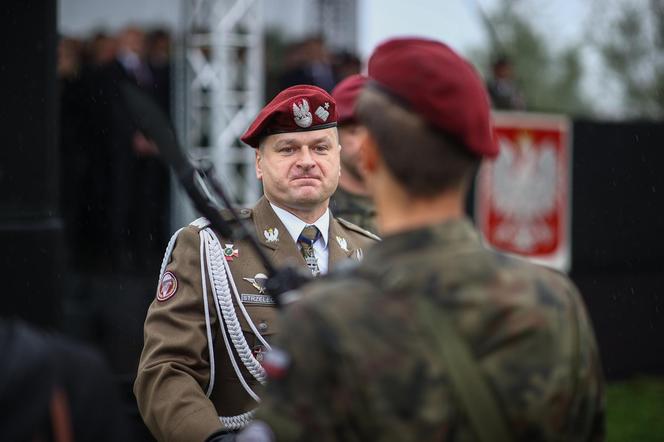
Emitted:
<point x="174" y="370"/>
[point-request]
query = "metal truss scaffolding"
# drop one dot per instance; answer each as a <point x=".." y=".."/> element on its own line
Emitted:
<point x="219" y="87"/>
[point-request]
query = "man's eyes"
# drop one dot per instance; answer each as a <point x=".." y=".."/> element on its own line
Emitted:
<point x="321" y="148"/>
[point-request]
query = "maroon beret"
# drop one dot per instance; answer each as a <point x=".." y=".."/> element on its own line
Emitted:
<point x="438" y="85"/>
<point x="296" y="109"/>
<point x="345" y="94"/>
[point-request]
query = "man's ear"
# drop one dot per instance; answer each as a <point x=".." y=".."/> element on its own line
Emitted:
<point x="369" y="155"/>
<point x="259" y="170"/>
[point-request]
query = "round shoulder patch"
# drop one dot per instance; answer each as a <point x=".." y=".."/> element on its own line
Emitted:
<point x="167" y="287"/>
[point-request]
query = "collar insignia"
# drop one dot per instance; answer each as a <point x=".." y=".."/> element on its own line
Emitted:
<point x="342" y="243"/>
<point x="271" y="234"/>
<point x="359" y="254"/>
<point x="230" y="253"/>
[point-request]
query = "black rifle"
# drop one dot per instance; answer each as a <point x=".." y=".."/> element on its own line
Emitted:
<point x="154" y="124"/>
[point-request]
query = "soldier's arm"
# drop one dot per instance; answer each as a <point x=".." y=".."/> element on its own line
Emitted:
<point x="174" y="368"/>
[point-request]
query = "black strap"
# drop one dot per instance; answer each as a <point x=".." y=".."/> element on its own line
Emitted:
<point x="468" y="382"/>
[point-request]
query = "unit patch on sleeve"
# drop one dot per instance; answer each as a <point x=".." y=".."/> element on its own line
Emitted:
<point x="167" y="287"/>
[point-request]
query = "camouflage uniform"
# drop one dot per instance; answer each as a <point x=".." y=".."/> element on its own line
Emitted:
<point x="357" y="209"/>
<point x="184" y="384"/>
<point x="362" y="366"/>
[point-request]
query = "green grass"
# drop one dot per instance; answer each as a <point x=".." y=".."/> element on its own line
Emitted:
<point x="635" y="410"/>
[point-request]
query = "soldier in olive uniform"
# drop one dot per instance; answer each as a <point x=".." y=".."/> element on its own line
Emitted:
<point x="211" y="321"/>
<point x="351" y="201"/>
<point x="432" y="337"/>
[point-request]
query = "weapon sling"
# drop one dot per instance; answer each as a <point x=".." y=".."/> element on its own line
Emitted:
<point x="466" y="379"/>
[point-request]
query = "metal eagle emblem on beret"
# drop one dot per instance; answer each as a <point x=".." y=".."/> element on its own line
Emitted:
<point x="301" y="114"/>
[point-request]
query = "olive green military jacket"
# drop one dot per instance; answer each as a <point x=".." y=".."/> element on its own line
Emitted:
<point x="178" y="398"/>
<point x="355" y="361"/>
<point x="357" y="209"/>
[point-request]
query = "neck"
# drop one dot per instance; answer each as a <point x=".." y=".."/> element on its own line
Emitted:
<point x="352" y="184"/>
<point x="399" y="211"/>
<point x="307" y="214"/>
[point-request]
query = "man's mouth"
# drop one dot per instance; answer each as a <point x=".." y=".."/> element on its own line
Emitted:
<point x="306" y="177"/>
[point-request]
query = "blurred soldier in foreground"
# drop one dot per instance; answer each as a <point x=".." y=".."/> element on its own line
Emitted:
<point x="432" y="337"/>
<point x="211" y="321"/>
<point x="351" y="201"/>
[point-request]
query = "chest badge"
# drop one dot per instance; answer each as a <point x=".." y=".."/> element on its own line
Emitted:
<point x="230" y="253"/>
<point x="271" y="234"/>
<point x="258" y="282"/>
<point x="342" y="243"/>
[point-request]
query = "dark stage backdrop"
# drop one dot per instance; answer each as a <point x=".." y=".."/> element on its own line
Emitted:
<point x="618" y="240"/>
<point x="30" y="229"/>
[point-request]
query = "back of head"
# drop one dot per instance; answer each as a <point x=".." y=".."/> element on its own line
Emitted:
<point x="429" y="113"/>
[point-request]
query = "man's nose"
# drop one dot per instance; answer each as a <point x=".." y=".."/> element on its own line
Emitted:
<point x="306" y="159"/>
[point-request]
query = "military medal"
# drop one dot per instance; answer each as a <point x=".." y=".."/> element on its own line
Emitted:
<point x="230" y="253"/>
<point x="259" y="352"/>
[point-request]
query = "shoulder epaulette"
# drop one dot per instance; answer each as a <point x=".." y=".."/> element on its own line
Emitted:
<point x="203" y="222"/>
<point x="357" y="229"/>
<point x="200" y="223"/>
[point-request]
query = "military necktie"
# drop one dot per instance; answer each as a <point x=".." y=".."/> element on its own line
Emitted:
<point x="306" y="241"/>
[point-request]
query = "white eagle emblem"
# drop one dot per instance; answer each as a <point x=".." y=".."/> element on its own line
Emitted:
<point x="525" y="188"/>
<point x="271" y="234"/>
<point x="342" y="243"/>
<point x="301" y="114"/>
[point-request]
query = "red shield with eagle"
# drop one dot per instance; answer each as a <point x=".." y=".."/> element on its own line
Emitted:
<point x="522" y="197"/>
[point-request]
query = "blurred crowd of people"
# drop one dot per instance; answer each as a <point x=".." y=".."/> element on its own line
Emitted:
<point x="115" y="188"/>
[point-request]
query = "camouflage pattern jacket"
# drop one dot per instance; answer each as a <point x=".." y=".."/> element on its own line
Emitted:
<point x="357" y="209"/>
<point x="356" y="363"/>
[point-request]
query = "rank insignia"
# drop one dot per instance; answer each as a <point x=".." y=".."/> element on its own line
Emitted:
<point x="342" y="243"/>
<point x="168" y="285"/>
<point x="258" y="282"/>
<point x="359" y="254"/>
<point x="230" y="253"/>
<point x="271" y="234"/>
<point x="322" y="113"/>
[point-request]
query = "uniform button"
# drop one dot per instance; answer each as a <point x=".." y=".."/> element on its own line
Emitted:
<point x="262" y="327"/>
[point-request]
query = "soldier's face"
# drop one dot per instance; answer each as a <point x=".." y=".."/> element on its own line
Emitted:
<point x="350" y="138"/>
<point x="299" y="170"/>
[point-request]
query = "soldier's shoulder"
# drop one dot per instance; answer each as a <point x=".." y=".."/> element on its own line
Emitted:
<point x="357" y="229"/>
<point x="202" y="222"/>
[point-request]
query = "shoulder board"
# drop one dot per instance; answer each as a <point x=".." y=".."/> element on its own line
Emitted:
<point x="202" y="222"/>
<point x="358" y="229"/>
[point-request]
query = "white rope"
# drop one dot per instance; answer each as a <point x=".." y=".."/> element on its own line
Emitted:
<point x="237" y="422"/>
<point x="223" y="295"/>
<point x="217" y="286"/>
<point x="208" y="327"/>
<point x="167" y="254"/>
<point x="241" y="305"/>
